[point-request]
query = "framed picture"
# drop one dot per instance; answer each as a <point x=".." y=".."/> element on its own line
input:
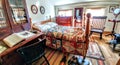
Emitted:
<point x="42" y="10"/>
<point x="34" y="9"/>
<point x="112" y="8"/>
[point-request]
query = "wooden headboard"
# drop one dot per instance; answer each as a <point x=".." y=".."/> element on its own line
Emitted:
<point x="45" y="21"/>
<point x="41" y="22"/>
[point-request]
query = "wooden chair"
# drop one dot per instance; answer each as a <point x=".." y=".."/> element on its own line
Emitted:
<point x="33" y="52"/>
<point x="98" y="25"/>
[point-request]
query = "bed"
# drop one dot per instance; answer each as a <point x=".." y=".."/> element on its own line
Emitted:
<point x="65" y="38"/>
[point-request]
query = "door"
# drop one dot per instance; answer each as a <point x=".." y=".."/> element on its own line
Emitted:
<point x="78" y="12"/>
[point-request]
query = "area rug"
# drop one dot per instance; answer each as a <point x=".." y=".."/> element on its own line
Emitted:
<point x="94" y="51"/>
<point x="55" y="57"/>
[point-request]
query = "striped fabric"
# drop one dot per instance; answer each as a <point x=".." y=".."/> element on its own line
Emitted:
<point x="98" y="22"/>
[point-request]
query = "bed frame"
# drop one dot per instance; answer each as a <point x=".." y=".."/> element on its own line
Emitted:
<point x="87" y="31"/>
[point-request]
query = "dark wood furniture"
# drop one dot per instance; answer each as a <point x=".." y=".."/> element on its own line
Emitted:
<point x="64" y="20"/>
<point x="98" y="25"/>
<point x="11" y="57"/>
<point x="14" y="18"/>
<point x="18" y="15"/>
<point x="5" y="28"/>
<point x="38" y="51"/>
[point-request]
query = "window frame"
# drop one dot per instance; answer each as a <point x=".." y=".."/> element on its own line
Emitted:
<point x="66" y="10"/>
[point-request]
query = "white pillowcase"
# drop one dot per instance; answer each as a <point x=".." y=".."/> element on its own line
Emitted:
<point x="45" y="27"/>
<point x="52" y="24"/>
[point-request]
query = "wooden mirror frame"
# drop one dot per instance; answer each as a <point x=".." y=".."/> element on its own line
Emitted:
<point x="34" y="9"/>
<point x="42" y="10"/>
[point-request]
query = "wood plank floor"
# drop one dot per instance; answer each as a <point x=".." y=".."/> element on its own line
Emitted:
<point x="111" y="57"/>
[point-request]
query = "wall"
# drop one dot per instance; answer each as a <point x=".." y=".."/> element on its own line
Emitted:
<point x="105" y="5"/>
<point x="49" y="10"/>
<point x="117" y="28"/>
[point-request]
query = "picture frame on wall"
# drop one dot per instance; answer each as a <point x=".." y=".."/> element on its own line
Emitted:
<point x="34" y="9"/>
<point x="42" y="9"/>
<point x="112" y="8"/>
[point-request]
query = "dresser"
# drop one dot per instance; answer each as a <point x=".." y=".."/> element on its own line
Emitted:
<point x="64" y="20"/>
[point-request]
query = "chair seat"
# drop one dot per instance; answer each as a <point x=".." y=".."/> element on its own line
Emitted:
<point x="97" y="30"/>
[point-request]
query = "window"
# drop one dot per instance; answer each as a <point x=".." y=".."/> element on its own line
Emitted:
<point x="96" y="11"/>
<point x="65" y="12"/>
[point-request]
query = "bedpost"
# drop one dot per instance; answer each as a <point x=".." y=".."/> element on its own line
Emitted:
<point x="87" y="29"/>
<point x="87" y="35"/>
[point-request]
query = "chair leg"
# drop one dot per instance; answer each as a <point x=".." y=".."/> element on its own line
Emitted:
<point x="46" y="60"/>
<point x="114" y="45"/>
<point x="90" y="33"/>
<point x="100" y="35"/>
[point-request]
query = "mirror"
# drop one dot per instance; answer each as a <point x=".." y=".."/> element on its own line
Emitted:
<point x="78" y="14"/>
<point x="117" y="11"/>
<point x="3" y="22"/>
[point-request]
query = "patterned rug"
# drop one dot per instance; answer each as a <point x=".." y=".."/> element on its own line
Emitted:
<point x="94" y="51"/>
<point x="55" y="57"/>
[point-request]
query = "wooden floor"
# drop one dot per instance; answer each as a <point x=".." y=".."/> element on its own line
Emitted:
<point x="111" y="57"/>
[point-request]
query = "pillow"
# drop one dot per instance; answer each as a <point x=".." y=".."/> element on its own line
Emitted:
<point x="44" y="28"/>
<point x="52" y="24"/>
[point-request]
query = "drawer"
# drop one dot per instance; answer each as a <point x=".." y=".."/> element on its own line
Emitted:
<point x="7" y="57"/>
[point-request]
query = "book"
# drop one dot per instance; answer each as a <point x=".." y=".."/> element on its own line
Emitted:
<point x="16" y="38"/>
<point x="3" y="47"/>
<point x="12" y="39"/>
<point x="25" y="34"/>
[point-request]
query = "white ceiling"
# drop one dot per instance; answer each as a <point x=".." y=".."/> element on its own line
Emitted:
<point x="63" y="2"/>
